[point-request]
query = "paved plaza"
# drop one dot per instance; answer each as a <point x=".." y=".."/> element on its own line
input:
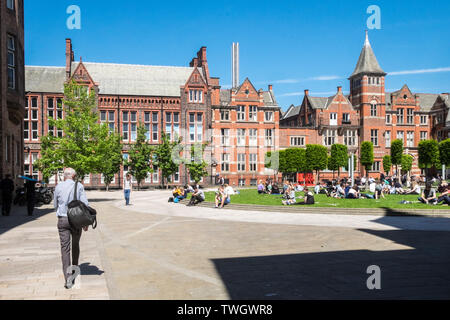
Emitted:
<point x="153" y="249"/>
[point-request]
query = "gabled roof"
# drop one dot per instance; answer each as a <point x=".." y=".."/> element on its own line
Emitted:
<point x="45" y="79"/>
<point x="291" y="111"/>
<point x="367" y="62"/>
<point x="138" y="80"/>
<point x="426" y="100"/>
<point x="320" y="102"/>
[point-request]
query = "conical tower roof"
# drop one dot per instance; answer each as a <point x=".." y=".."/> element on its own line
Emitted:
<point x="367" y="62"/>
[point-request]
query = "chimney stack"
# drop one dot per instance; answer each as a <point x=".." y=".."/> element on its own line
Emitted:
<point x="235" y="65"/>
<point x="306" y="92"/>
<point x="270" y="87"/>
<point x="339" y="89"/>
<point x="69" y="58"/>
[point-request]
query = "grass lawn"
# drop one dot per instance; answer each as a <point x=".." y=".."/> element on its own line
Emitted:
<point x="251" y="196"/>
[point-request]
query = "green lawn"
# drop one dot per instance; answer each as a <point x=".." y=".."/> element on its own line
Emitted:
<point x="251" y="196"/>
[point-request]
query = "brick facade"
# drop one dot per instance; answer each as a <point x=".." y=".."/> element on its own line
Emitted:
<point x="239" y="124"/>
<point x="12" y="86"/>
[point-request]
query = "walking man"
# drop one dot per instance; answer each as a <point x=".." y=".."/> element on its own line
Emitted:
<point x="7" y="188"/>
<point x="64" y="193"/>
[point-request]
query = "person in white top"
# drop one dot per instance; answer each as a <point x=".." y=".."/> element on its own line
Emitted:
<point x="127" y="188"/>
<point x="229" y="190"/>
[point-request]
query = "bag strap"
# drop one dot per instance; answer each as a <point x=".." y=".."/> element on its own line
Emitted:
<point x="75" y="191"/>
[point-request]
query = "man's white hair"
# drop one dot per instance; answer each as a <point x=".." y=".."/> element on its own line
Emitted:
<point x="69" y="173"/>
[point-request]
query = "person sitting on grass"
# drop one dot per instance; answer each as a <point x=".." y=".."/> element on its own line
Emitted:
<point x="261" y="187"/>
<point x="290" y="196"/>
<point x="379" y="191"/>
<point x="443" y="186"/>
<point x="197" y="197"/>
<point x="229" y="189"/>
<point x="340" y="191"/>
<point x="428" y="195"/>
<point x="445" y="195"/>
<point x="398" y="187"/>
<point x="188" y="189"/>
<point x="308" y="197"/>
<point x="269" y="187"/>
<point x="222" y="198"/>
<point x="317" y="188"/>
<point x="275" y="189"/>
<point x="415" y="188"/>
<point x="353" y="193"/>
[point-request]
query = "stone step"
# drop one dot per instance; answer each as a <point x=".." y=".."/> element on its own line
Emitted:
<point x="331" y="210"/>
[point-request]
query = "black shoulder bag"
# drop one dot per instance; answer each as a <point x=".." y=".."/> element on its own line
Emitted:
<point x="80" y="215"/>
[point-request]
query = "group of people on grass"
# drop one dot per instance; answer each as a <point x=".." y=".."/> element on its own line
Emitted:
<point x="179" y="193"/>
<point x="287" y="192"/>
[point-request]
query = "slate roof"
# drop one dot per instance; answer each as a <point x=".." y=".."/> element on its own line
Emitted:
<point x="367" y="62"/>
<point x="427" y="100"/>
<point x="292" y="111"/>
<point x="268" y="98"/>
<point x="45" y="79"/>
<point x="320" y="102"/>
<point x="137" y="80"/>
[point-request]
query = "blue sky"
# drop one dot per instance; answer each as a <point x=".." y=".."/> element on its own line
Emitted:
<point x="294" y="45"/>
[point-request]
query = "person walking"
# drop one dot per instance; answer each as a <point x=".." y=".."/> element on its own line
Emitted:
<point x="127" y="188"/>
<point x="64" y="194"/>
<point x="30" y="187"/>
<point x="7" y="188"/>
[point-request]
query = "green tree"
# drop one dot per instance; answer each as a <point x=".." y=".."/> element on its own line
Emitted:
<point x="338" y="158"/>
<point x="111" y="150"/>
<point x="197" y="166"/>
<point x="79" y="147"/>
<point x="444" y="154"/>
<point x="316" y="158"/>
<point x="167" y="157"/>
<point x="428" y="155"/>
<point x="387" y="164"/>
<point x="396" y="153"/>
<point x="366" y="157"/>
<point x="407" y="161"/>
<point x="139" y="156"/>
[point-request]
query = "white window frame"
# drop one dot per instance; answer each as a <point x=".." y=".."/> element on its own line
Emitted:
<point x="241" y="137"/>
<point x="268" y="137"/>
<point x="268" y="116"/>
<point x="297" y="141"/>
<point x="252" y="113"/>
<point x="253" y="137"/>
<point x="410" y="139"/>
<point x="225" y="162"/>
<point x="374" y="137"/>
<point x="11" y="60"/>
<point x="241" y="162"/>
<point x="387" y="137"/>
<point x="240" y="112"/>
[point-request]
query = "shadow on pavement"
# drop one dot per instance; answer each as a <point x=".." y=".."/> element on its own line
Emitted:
<point x="419" y="271"/>
<point x="19" y="216"/>
<point x="88" y="269"/>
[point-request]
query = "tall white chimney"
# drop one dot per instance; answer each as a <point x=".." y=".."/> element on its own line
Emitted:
<point x="235" y="64"/>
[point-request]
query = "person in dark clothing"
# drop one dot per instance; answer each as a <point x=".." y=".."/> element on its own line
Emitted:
<point x="30" y="187"/>
<point x="7" y="188"/>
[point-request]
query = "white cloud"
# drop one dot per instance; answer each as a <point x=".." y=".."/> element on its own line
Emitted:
<point x="419" y="71"/>
<point x="325" y="78"/>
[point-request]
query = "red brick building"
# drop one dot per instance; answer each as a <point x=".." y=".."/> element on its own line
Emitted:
<point x="239" y="124"/>
<point x="245" y="126"/>
<point x="367" y="113"/>
<point x="12" y="87"/>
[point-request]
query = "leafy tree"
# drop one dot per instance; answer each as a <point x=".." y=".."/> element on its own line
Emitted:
<point x="166" y="154"/>
<point x="366" y="157"/>
<point x="111" y="150"/>
<point x="316" y="158"/>
<point x="407" y="161"/>
<point x="139" y="157"/>
<point x="338" y="158"/>
<point x="396" y="153"/>
<point x="272" y="161"/>
<point x="79" y="147"/>
<point x="197" y="165"/>
<point x="444" y="152"/>
<point x="428" y="155"/>
<point x="295" y="160"/>
<point x="387" y="164"/>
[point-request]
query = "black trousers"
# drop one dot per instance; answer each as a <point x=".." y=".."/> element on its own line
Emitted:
<point x="66" y="232"/>
<point x="30" y="205"/>
<point x="6" y="204"/>
<point x="195" y="200"/>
